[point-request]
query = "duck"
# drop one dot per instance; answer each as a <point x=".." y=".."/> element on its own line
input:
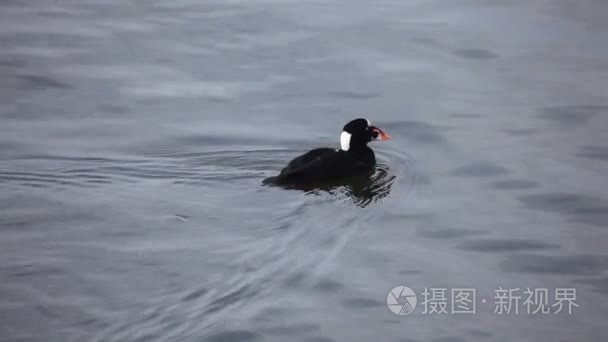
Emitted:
<point x="326" y="164"/>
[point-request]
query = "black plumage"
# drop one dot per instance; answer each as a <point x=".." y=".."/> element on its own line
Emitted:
<point x="326" y="164"/>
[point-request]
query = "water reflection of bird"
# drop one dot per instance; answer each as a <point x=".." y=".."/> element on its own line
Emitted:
<point x="364" y="189"/>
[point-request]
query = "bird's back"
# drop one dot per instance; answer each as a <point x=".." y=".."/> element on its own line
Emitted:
<point x="326" y="164"/>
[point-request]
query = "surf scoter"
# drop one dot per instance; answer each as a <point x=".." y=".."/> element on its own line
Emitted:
<point x="327" y="164"/>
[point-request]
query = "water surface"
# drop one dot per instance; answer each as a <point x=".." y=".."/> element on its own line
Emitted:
<point x="135" y="135"/>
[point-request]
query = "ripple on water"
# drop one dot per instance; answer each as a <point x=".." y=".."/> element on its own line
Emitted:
<point x="570" y="115"/>
<point x="290" y="329"/>
<point x="328" y="285"/>
<point x="41" y="82"/>
<point x="180" y="168"/>
<point x="362" y="303"/>
<point x="480" y="333"/>
<point x="234" y="336"/>
<point x="479" y="169"/>
<point x="369" y="190"/>
<point x="578" y="208"/>
<point x="504" y="245"/>
<point x="515" y="184"/>
<point x="594" y="152"/>
<point x="52" y="171"/>
<point x="519" y="132"/>
<point x="404" y="169"/>
<point x="479" y="54"/>
<point x="278" y="256"/>
<point x="449" y="339"/>
<point x="598" y="284"/>
<point x="365" y="190"/>
<point x="449" y="234"/>
<point x="319" y="339"/>
<point x="582" y="264"/>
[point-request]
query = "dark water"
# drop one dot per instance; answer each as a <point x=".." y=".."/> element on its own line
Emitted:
<point x="134" y="137"/>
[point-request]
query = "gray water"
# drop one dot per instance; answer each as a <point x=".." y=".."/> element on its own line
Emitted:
<point x="135" y="135"/>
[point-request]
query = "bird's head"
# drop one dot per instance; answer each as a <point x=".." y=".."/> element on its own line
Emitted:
<point x="357" y="133"/>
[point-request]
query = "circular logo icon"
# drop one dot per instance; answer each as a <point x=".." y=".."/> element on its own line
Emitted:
<point x="401" y="300"/>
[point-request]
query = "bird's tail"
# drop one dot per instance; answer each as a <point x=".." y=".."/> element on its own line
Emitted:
<point x="274" y="180"/>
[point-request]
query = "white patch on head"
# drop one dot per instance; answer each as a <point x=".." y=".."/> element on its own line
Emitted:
<point x="368" y="123"/>
<point x="345" y="141"/>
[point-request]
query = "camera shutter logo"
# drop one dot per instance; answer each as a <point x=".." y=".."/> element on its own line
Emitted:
<point x="401" y="300"/>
